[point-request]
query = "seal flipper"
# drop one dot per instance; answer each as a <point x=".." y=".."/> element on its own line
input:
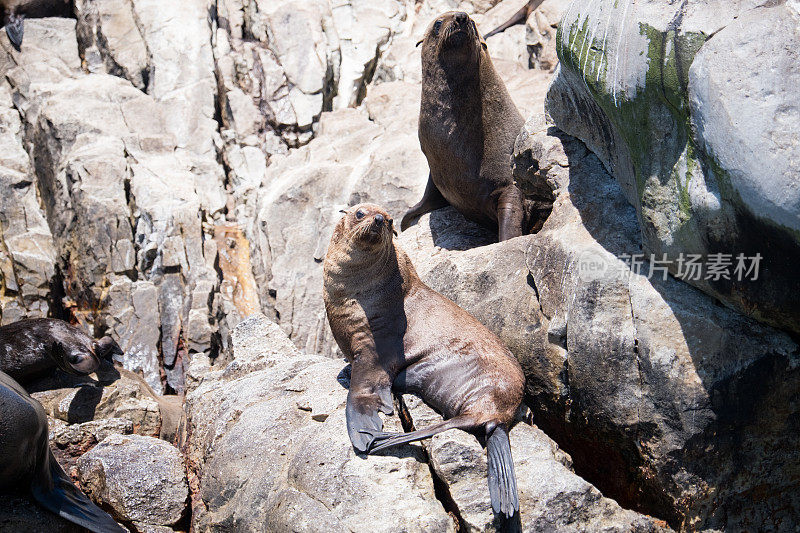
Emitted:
<point x="65" y="499"/>
<point x="370" y="392"/>
<point x="464" y="422"/>
<point x="15" y="29"/>
<point x="510" y="213"/>
<point x="432" y="199"/>
<point x="502" y="481"/>
<point x="520" y="17"/>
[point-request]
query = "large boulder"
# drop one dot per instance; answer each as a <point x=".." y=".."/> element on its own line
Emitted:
<point x="551" y="496"/>
<point x="694" y="110"/>
<point x="269" y="450"/>
<point x="140" y="479"/>
<point x="659" y="394"/>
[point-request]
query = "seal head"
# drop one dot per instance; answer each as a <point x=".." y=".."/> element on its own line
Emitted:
<point x="31" y="347"/>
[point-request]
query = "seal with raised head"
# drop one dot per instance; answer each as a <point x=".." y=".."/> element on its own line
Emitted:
<point x="467" y="128"/>
<point x="401" y="335"/>
<point x="32" y="347"/>
<point x="28" y="465"/>
<point x="15" y="12"/>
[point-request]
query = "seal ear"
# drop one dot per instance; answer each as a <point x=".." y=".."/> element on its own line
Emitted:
<point x="419" y="43"/>
<point x="343" y="211"/>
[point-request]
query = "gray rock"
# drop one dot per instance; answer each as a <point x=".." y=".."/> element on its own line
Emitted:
<point x="635" y="376"/>
<point x="650" y="88"/>
<point x="138" y="478"/>
<point x="126" y="200"/>
<point x="27" y="254"/>
<point x="551" y="496"/>
<point x="269" y="451"/>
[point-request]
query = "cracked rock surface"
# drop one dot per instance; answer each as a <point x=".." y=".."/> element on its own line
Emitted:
<point x="170" y="169"/>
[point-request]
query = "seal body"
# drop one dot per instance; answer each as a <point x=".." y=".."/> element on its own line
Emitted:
<point x="28" y="465"/>
<point x="467" y="128"/>
<point x="32" y="347"/>
<point x="15" y="12"/>
<point x="402" y="335"/>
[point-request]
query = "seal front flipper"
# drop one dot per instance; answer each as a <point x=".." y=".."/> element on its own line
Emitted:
<point x="370" y="392"/>
<point x="502" y="481"/>
<point x="15" y="28"/>
<point x="510" y="213"/>
<point x="432" y="199"/>
<point x="60" y="496"/>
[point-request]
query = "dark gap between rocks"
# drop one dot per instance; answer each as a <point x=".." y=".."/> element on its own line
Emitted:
<point x="440" y="488"/>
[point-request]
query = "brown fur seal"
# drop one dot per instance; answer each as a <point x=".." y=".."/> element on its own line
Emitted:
<point x="402" y="335"/>
<point x="28" y="465"/>
<point x="517" y="18"/>
<point x="467" y="128"/>
<point x="32" y="347"/>
<point x="15" y="12"/>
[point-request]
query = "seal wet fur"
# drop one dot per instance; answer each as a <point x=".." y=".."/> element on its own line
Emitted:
<point x="28" y="465"/>
<point x="15" y="12"/>
<point x="32" y="347"/>
<point x="467" y="128"/>
<point x="402" y="335"/>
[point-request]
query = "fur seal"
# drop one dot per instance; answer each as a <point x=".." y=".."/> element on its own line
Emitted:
<point x="401" y="335"/>
<point x="15" y="12"/>
<point x="517" y="18"/>
<point x="32" y="347"/>
<point x="28" y="465"/>
<point x="467" y="128"/>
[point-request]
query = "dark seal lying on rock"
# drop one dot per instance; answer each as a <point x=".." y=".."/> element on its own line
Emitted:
<point x="30" y="348"/>
<point x="402" y="335"/>
<point x="467" y="128"/>
<point x="28" y="465"/>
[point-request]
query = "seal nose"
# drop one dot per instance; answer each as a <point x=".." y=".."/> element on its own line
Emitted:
<point x="461" y="18"/>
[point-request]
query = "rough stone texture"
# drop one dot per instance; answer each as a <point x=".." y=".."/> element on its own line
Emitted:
<point x="659" y="394"/>
<point x="138" y="478"/>
<point x="125" y="201"/>
<point x="268" y="449"/>
<point x="668" y="97"/>
<point x="92" y="404"/>
<point x="357" y="156"/>
<point x="27" y="254"/>
<point x="551" y="496"/>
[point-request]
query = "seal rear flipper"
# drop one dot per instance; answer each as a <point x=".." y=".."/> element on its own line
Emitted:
<point x="386" y="440"/>
<point x="432" y="199"/>
<point x="66" y="500"/>
<point x="502" y="481"/>
<point x="15" y="29"/>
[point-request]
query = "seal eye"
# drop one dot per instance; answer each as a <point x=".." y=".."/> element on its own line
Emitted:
<point x="436" y="27"/>
<point x="359" y="214"/>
